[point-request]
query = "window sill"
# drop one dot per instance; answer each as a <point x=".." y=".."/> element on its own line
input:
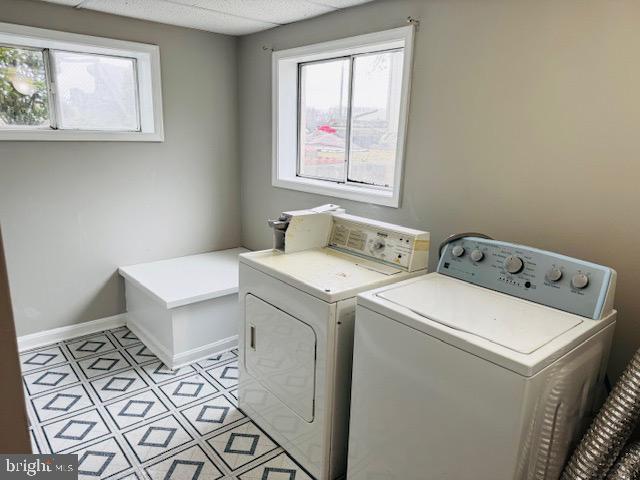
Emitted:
<point x="350" y="192"/>
<point x="79" y="136"/>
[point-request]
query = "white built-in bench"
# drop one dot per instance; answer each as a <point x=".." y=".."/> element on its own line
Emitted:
<point x="185" y="309"/>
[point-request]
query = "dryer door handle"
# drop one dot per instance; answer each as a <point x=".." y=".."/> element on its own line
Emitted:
<point x="252" y="337"/>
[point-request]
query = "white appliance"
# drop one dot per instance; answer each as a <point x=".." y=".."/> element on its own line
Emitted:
<point x="297" y="308"/>
<point x="482" y="370"/>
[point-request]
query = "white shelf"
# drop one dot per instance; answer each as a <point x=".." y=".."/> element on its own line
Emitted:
<point x="184" y="280"/>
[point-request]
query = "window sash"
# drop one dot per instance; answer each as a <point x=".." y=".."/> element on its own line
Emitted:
<point x="348" y="129"/>
<point x="48" y="74"/>
<point x="54" y="96"/>
<point x="299" y="118"/>
<point x="32" y="128"/>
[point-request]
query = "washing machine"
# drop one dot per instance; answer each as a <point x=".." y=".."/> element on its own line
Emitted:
<point x="297" y="310"/>
<point x="486" y="369"/>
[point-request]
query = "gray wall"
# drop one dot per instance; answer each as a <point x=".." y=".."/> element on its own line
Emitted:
<point x="523" y="124"/>
<point x="71" y="212"/>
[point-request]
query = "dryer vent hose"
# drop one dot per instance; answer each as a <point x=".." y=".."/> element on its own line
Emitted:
<point x="612" y="427"/>
<point x="628" y="466"/>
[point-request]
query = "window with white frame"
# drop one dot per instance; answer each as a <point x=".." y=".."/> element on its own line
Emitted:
<point x="340" y="113"/>
<point x="61" y="86"/>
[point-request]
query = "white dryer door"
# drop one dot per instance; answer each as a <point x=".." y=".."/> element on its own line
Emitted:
<point x="280" y="353"/>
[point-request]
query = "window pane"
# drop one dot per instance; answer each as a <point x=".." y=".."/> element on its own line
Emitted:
<point x="96" y="92"/>
<point x="24" y="99"/>
<point x="377" y="84"/>
<point x="324" y="97"/>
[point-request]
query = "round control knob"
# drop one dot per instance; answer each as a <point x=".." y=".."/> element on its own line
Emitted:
<point x="513" y="264"/>
<point x="379" y="245"/>
<point x="554" y="274"/>
<point x="476" y="255"/>
<point x="457" y="251"/>
<point x="580" y="281"/>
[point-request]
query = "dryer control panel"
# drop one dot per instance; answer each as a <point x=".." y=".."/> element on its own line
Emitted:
<point x="384" y="242"/>
<point x="329" y="226"/>
<point x="548" y="278"/>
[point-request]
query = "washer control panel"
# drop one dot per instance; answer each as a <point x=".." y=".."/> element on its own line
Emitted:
<point x="392" y="244"/>
<point x="551" y="279"/>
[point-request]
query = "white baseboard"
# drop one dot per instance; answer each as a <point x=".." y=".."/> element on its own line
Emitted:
<point x="206" y="351"/>
<point x="34" y="340"/>
<point x="184" y="358"/>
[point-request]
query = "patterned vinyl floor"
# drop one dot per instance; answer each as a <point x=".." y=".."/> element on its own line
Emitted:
<point x="108" y="399"/>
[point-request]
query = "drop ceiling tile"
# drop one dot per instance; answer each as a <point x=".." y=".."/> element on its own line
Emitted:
<point x="234" y="17"/>
<point x="178" y="14"/>
<point x="342" y="3"/>
<point x="273" y="11"/>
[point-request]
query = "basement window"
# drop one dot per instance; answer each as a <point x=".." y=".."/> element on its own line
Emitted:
<point x="342" y="133"/>
<point x="62" y="86"/>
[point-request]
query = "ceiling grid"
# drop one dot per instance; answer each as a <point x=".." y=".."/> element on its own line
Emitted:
<point x="232" y="17"/>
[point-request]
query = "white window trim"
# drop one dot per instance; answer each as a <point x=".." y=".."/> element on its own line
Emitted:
<point x="148" y="76"/>
<point x="285" y="118"/>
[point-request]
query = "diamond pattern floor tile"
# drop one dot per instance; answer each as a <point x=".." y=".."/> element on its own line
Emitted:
<point x="226" y="375"/>
<point x="62" y="402"/>
<point x="212" y="415"/>
<point x="49" y="379"/>
<point x="189" y="464"/>
<point x="70" y="432"/>
<point x="46" y="358"/>
<point x="103" y="364"/>
<point x="91" y="345"/>
<point x="101" y="460"/>
<point x="188" y="390"/>
<point x="107" y="398"/>
<point x="215" y="360"/>
<point x="241" y="445"/>
<point x="141" y="354"/>
<point x="153" y="439"/>
<point x="125" y="337"/>
<point x="118" y="384"/>
<point x="281" y="467"/>
<point x="158" y="372"/>
<point x="136" y="408"/>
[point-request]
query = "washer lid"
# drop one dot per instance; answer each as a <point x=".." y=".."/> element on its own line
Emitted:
<point x="516" y="324"/>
